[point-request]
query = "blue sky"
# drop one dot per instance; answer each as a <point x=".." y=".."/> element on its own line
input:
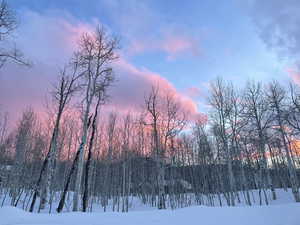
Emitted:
<point x="187" y="43"/>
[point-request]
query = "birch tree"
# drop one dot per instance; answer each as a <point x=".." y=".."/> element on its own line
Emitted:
<point x="96" y="53"/>
<point x="277" y="100"/>
<point x="22" y="146"/>
<point x="221" y="108"/>
<point x="259" y="118"/>
<point x="152" y="107"/>
<point x="61" y="94"/>
<point x="101" y="97"/>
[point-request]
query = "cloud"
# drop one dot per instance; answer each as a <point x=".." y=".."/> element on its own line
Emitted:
<point x="132" y="18"/>
<point x="193" y="92"/>
<point x="147" y="30"/>
<point x="49" y="41"/>
<point x="278" y="24"/>
<point x="134" y="85"/>
<point x="294" y="74"/>
<point x="173" y="46"/>
<point x="44" y="37"/>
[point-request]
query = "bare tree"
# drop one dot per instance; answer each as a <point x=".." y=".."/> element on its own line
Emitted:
<point x="101" y="98"/>
<point x="95" y="55"/>
<point x="22" y="146"/>
<point x="246" y="146"/>
<point x="166" y="120"/>
<point x="277" y="100"/>
<point x="259" y="119"/>
<point x="61" y="94"/>
<point x="220" y="101"/>
<point x="73" y="168"/>
<point x="8" y="25"/>
<point x="293" y="113"/>
<point x="152" y="106"/>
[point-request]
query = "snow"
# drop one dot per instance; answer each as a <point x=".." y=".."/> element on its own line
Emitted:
<point x="280" y="212"/>
<point x="257" y="215"/>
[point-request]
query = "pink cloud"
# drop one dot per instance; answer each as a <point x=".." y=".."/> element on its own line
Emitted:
<point x="50" y="43"/>
<point x="193" y="92"/>
<point x="177" y="45"/>
<point x="136" y="18"/>
<point x="44" y="37"/>
<point x="294" y="75"/>
<point x="172" y="45"/>
<point x="134" y="84"/>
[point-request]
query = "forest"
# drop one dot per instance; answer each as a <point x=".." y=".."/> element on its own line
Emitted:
<point x="76" y="154"/>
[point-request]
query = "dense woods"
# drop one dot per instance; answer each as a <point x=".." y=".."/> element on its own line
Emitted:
<point x="248" y="139"/>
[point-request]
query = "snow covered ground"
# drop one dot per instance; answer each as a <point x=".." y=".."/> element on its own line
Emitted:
<point x="257" y="215"/>
<point x="281" y="212"/>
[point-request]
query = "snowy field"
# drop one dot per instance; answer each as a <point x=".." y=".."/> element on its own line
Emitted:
<point x="280" y="212"/>
<point x="288" y="214"/>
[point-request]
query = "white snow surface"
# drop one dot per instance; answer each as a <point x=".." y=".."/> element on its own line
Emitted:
<point x="257" y="215"/>
<point x="280" y="212"/>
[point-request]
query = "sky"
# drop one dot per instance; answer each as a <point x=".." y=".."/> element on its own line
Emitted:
<point x="180" y="45"/>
